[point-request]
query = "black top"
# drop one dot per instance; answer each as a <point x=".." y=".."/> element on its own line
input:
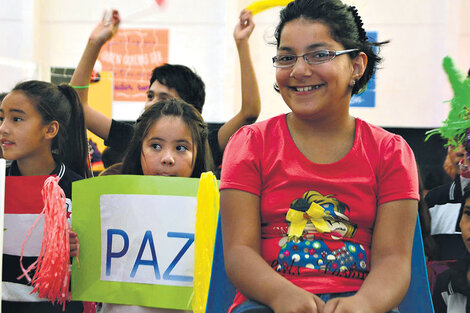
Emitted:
<point x="120" y="134"/>
<point x="450" y="245"/>
<point x="452" y="284"/>
<point x="448" y="193"/>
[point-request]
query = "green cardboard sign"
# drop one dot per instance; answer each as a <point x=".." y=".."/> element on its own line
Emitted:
<point x="87" y="284"/>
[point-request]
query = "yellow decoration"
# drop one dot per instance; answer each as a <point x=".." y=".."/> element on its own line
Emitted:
<point x="207" y="212"/>
<point x="100" y="97"/>
<point x="262" y="5"/>
<point x="298" y="220"/>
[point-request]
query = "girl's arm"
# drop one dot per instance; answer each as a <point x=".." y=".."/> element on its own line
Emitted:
<point x="96" y="122"/>
<point x="245" y="267"/>
<point x="251" y="107"/>
<point x="389" y="278"/>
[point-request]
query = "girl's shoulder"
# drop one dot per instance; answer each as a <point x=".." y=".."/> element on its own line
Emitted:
<point x="67" y="177"/>
<point x="373" y="135"/>
<point x="272" y="125"/>
<point x="378" y="132"/>
<point x="258" y="134"/>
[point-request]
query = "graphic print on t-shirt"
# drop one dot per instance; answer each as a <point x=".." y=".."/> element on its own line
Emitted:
<point x="319" y="238"/>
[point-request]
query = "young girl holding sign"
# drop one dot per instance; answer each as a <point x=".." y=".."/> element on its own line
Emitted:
<point x="170" y="139"/>
<point x="318" y="207"/>
<point x="43" y="131"/>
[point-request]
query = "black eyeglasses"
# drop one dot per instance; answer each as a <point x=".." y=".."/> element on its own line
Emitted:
<point x="314" y="57"/>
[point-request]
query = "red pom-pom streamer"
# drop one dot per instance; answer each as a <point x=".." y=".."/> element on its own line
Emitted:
<point x="52" y="276"/>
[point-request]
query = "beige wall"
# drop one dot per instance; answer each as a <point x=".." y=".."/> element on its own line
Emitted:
<point x="411" y="86"/>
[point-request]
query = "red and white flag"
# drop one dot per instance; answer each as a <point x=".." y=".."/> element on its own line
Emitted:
<point x="23" y="204"/>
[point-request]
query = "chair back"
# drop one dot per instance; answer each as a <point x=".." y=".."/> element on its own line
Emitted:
<point x="221" y="290"/>
<point x="418" y="298"/>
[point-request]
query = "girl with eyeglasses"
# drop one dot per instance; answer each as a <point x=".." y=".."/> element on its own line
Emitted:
<point x="318" y="207"/>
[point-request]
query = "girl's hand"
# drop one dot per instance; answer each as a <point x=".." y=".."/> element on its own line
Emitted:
<point x="353" y="304"/>
<point x="298" y="301"/>
<point x="244" y="28"/>
<point x="74" y="244"/>
<point x="107" y="27"/>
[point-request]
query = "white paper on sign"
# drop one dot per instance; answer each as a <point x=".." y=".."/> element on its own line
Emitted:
<point x="147" y="239"/>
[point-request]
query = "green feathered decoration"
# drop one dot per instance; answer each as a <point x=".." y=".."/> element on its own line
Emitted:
<point x="454" y="128"/>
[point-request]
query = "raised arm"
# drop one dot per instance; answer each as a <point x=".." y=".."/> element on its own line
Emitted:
<point x="96" y="122"/>
<point x="389" y="278"/>
<point x="251" y="106"/>
<point x="245" y="267"/>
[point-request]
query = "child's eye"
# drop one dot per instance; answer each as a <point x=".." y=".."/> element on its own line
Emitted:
<point x="17" y="119"/>
<point x="466" y="212"/>
<point x="286" y="58"/>
<point x="156" y="146"/>
<point x="181" y="148"/>
<point x="164" y="96"/>
<point x="149" y="96"/>
<point x="320" y="54"/>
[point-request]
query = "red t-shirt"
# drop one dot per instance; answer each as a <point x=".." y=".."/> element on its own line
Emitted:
<point x="331" y="253"/>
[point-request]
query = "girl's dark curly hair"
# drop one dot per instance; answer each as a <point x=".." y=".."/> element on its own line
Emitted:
<point x="345" y="26"/>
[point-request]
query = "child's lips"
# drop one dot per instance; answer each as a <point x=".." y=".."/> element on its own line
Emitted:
<point x="6" y="142"/>
<point x="306" y="89"/>
<point x="165" y="174"/>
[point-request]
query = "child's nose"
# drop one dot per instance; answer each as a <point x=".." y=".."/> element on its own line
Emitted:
<point x="301" y="69"/>
<point x="3" y="128"/>
<point x="168" y="158"/>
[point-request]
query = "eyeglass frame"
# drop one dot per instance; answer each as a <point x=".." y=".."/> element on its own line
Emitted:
<point x="304" y="56"/>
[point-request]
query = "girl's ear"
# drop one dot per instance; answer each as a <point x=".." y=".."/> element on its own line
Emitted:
<point x="359" y="64"/>
<point x="51" y="130"/>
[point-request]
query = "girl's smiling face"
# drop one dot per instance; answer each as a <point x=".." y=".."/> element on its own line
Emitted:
<point x="168" y="148"/>
<point x="310" y="90"/>
<point x="22" y="132"/>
